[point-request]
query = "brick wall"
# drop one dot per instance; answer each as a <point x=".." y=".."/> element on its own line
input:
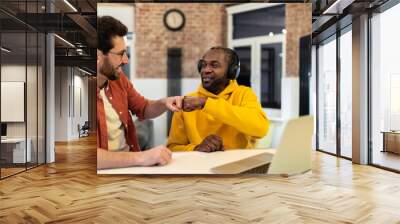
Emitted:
<point x="298" y="24"/>
<point x="205" y="27"/>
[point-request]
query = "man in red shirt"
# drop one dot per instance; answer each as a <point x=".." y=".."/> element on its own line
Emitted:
<point x="117" y="144"/>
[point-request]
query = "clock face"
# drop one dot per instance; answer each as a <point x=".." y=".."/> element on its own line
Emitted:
<point x="174" y="19"/>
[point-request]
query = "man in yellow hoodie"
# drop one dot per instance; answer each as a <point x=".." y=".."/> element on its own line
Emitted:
<point x="221" y="114"/>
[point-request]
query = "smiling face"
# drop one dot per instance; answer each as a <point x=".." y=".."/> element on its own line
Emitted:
<point x="214" y="71"/>
<point x="111" y="63"/>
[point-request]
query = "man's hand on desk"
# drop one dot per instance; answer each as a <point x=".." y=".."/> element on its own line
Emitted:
<point x="191" y="103"/>
<point x="159" y="155"/>
<point x="211" y="143"/>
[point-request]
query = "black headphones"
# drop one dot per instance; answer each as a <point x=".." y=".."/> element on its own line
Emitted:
<point x="233" y="67"/>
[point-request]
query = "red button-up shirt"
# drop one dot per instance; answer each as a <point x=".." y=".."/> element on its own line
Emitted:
<point x="123" y="98"/>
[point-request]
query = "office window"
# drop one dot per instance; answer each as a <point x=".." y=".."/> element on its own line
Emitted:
<point x="258" y="36"/>
<point x="271" y="75"/>
<point x="346" y="93"/>
<point x="244" y="54"/>
<point x="23" y="88"/>
<point x="14" y="151"/>
<point x="259" y="22"/>
<point x="385" y="88"/>
<point x="327" y="96"/>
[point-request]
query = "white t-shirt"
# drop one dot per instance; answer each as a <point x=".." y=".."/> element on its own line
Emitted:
<point x="115" y="128"/>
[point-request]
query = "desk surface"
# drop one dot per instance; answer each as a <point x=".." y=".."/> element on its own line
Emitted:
<point x="391" y="132"/>
<point x="201" y="163"/>
<point x="13" y="140"/>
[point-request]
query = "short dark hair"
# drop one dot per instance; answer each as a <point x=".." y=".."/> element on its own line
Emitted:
<point x="107" y="28"/>
<point x="229" y="53"/>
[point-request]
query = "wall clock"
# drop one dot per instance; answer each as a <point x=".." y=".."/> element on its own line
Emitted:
<point x="174" y="19"/>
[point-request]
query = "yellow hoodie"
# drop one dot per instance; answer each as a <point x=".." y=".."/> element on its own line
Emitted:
<point x="235" y="115"/>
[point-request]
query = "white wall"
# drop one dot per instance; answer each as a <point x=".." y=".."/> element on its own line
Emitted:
<point x="61" y="103"/>
<point x="123" y="12"/>
<point x="80" y="100"/>
<point x="190" y="85"/>
<point x="69" y="85"/>
<point x="33" y="126"/>
<point x="14" y="73"/>
<point x="289" y="108"/>
<point x="155" y="89"/>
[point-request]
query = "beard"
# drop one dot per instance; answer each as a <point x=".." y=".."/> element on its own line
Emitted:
<point x="108" y="70"/>
<point x="217" y="85"/>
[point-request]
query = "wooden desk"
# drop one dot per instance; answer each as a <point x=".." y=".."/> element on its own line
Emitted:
<point x="391" y="141"/>
<point x="227" y="162"/>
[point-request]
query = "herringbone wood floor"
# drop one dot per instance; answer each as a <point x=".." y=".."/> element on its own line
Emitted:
<point x="69" y="191"/>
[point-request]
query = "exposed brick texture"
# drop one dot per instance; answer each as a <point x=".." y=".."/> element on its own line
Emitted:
<point x="298" y="24"/>
<point x="205" y="27"/>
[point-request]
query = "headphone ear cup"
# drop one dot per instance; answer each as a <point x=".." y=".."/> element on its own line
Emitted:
<point x="237" y="71"/>
<point x="199" y="64"/>
<point x="235" y="66"/>
<point x="230" y="71"/>
<point x="234" y="71"/>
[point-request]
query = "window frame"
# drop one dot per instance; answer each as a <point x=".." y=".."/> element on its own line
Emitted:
<point x="255" y="46"/>
<point x="334" y="37"/>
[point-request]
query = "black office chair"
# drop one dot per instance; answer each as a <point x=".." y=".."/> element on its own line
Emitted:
<point x="84" y="130"/>
<point x="144" y="133"/>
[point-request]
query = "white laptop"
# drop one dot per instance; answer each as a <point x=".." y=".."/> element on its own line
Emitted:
<point x="293" y="155"/>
